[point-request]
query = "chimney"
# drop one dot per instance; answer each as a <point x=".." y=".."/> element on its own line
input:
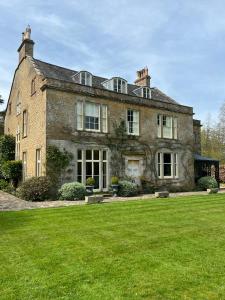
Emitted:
<point x="143" y="79"/>
<point x="27" y="45"/>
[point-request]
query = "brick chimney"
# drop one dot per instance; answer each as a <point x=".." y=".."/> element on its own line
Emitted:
<point x="27" y="45"/>
<point x="143" y="79"/>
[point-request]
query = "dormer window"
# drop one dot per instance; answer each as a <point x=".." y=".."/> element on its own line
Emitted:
<point x="83" y="77"/>
<point x="116" y="84"/>
<point x="144" y="92"/>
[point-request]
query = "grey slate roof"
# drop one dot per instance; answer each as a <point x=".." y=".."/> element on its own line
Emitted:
<point x="64" y="74"/>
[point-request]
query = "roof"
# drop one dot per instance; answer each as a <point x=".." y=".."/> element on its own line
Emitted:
<point x="64" y="74"/>
<point x="203" y="158"/>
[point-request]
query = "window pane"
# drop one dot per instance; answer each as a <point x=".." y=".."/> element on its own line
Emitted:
<point x="88" y="154"/>
<point x="79" y="154"/>
<point x="96" y="168"/>
<point x="96" y="154"/>
<point x="167" y="158"/>
<point x="88" y="169"/>
<point x="167" y="170"/>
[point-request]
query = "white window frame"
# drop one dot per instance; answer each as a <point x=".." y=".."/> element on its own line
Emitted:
<point x="116" y="84"/>
<point x="81" y="115"/>
<point x="17" y="154"/>
<point x="146" y="92"/>
<point x="38" y="163"/>
<point x="85" y="78"/>
<point x="25" y="121"/>
<point x="135" y="123"/>
<point x="161" y="126"/>
<point x="174" y="165"/>
<point x="99" y="116"/>
<point x="101" y="161"/>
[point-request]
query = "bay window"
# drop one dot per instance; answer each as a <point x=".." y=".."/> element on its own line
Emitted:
<point x="166" y="127"/>
<point x="167" y="165"/>
<point x="132" y="122"/>
<point x="92" y="117"/>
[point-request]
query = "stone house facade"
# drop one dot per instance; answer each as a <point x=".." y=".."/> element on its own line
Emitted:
<point x="111" y="127"/>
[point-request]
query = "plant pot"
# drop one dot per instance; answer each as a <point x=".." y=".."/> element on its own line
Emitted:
<point x="213" y="191"/>
<point x="89" y="189"/>
<point x="115" y="188"/>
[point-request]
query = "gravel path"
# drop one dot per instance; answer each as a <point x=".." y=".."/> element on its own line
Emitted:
<point x="9" y="202"/>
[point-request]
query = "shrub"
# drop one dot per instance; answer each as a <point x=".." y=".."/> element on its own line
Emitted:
<point x="127" y="188"/>
<point x="3" y="184"/>
<point x="207" y="182"/>
<point x="90" y="181"/>
<point x="35" y="189"/>
<point x="12" y="170"/>
<point x="114" y="180"/>
<point x="7" y="147"/>
<point x="72" y="191"/>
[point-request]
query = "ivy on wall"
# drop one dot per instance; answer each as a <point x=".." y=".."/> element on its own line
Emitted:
<point x="56" y="162"/>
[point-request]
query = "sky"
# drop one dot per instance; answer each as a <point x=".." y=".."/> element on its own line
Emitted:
<point x="181" y="42"/>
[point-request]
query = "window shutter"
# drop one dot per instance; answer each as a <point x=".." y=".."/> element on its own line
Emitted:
<point x="136" y="120"/>
<point x="104" y="119"/>
<point x="175" y="128"/>
<point x="80" y="115"/>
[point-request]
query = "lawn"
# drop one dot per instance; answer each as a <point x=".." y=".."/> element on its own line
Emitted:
<point x="147" y="249"/>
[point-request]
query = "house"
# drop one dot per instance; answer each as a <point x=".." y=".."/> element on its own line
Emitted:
<point x="112" y="127"/>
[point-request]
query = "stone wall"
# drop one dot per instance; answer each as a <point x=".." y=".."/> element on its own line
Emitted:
<point x="36" y="107"/>
<point x="61" y="131"/>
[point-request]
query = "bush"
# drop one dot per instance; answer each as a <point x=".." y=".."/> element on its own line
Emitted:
<point x="207" y="182"/>
<point x="3" y="184"/>
<point x="35" y="189"/>
<point x="72" y="191"/>
<point x="90" y="181"/>
<point x="127" y="188"/>
<point x="12" y="170"/>
<point x="7" y="147"/>
<point x="114" y="180"/>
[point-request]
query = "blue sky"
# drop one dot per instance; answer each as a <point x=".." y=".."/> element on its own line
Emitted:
<point x="182" y="43"/>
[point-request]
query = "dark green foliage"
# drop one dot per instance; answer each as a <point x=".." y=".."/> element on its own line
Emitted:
<point x="57" y="161"/>
<point x="7" y="147"/>
<point x="72" y="191"/>
<point x="207" y="182"/>
<point x="35" y="189"/>
<point x="12" y="170"/>
<point x="90" y="181"/>
<point x="3" y="184"/>
<point x="127" y="189"/>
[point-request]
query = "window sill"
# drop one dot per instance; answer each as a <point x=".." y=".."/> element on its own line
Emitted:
<point x="167" y="139"/>
<point x="168" y="178"/>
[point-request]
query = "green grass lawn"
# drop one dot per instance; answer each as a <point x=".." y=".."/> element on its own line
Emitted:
<point x="147" y="249"/>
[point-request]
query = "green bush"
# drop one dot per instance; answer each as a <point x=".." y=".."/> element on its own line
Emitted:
<point x="207" y="182"/>
<point x="127" y="189"/>
<point x="12" y="170"/>
<point x="35" y="189"/>
<point x="3" y="184"/>
<point x="72" y="191"/>
<point x="90" y="181"/>
<point x="114" y="180"/>
<point x="7" y="147"/>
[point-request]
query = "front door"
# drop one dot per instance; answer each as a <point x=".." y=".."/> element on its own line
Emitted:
<point x="134" y="169"/>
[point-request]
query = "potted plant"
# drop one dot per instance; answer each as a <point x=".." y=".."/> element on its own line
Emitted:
<point x="90" y="182"/>
<point x="115" y="185"/>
